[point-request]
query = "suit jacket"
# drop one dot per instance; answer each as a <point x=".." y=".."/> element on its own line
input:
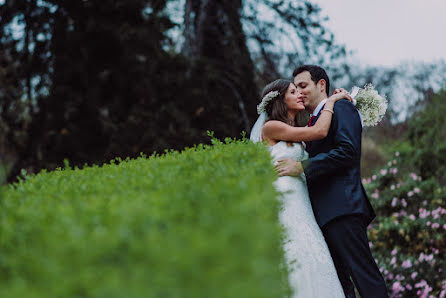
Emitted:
<point x="333" y="169"/>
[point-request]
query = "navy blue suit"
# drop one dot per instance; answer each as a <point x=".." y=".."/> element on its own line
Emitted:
<point x="340" y="203"/>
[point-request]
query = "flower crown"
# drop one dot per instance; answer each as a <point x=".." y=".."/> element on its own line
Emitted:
<point x="265" y="101"/>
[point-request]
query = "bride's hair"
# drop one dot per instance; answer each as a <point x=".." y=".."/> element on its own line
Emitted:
<point x="277" y="108"/>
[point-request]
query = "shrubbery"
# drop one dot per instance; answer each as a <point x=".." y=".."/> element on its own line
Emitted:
<point x="201" y="223"/>
<point x="427" y="139"/>
<point x="409" y="194"/>
<point x="409" y="235"/>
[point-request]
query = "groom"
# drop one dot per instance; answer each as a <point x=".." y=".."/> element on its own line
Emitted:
<point x="339" y="201"/>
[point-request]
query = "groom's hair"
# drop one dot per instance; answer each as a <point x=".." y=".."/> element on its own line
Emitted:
<point x="317" y="73"/>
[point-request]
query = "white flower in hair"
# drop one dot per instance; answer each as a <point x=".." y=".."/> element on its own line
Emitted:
<point x="370" y="104"/>
<point x="265" y="100"/>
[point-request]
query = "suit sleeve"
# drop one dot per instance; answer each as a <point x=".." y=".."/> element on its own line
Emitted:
<point x="346" y="151"/>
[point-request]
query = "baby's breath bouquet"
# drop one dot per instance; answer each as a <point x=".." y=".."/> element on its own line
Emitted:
<point x="370" y="104"/>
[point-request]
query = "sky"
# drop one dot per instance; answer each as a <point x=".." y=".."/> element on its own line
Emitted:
<point x="386" y="32"/>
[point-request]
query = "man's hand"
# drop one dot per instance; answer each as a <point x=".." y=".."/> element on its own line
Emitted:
<point x="289" y="167"/>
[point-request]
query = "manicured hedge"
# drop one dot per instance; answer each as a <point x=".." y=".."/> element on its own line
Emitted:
<point x="200" y="223"/>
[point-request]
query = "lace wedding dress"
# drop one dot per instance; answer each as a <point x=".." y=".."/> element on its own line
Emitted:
<point x="311" y="270"/>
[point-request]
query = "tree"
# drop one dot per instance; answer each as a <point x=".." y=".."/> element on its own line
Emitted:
<point x="222" y="66"/>
<point x="105" y="64"/>
<point x="283" y="34"/>
<point x="101" y="79"/>
<point x="24" y="65"/>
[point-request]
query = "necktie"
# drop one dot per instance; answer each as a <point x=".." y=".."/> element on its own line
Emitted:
<point x="310" y="124"/>
<point x="311" y="120"/>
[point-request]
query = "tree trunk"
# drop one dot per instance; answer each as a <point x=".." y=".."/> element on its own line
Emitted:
<point x="213" y="34"/>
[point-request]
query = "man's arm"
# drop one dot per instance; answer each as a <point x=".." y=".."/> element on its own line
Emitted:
<point x="347" y="143"/>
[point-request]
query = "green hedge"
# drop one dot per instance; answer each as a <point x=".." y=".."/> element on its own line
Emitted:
<point x="201" y="223"/>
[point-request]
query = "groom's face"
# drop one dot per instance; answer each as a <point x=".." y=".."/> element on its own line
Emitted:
<point x="309" y="92"/>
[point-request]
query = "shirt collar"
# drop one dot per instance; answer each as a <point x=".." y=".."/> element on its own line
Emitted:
<point x="319" y="107"/>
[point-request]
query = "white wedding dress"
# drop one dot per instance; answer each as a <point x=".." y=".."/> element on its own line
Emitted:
<point x="311" y="270"/>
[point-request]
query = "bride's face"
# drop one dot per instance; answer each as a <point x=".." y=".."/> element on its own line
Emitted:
<point x="292" y="99"/>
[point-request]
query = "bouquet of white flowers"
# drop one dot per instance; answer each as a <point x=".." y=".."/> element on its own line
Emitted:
<point x="370" y="104"/>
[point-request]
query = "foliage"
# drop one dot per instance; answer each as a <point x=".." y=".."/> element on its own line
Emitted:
<point x="408" y="236"/>
<point x="427" y="135"/>
<point x="100" y="80"/>
<point x="413" y="123"/>
<point x="409" y="195"/>
<point x="283" y="34"/>
<point x="221" y="73"/>
<point x="95" y="79"/>
<point x="200" y="223"/>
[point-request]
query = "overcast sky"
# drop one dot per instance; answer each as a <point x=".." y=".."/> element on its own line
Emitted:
<point x="384" y="32"/>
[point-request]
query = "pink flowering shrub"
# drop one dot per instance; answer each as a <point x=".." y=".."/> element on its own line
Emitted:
<point x="408" y="237"/>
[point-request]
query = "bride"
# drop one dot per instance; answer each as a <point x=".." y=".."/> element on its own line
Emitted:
<point x="311" y="270"/>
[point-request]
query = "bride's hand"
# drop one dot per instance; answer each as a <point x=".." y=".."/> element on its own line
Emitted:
<point x="339" y="94"/>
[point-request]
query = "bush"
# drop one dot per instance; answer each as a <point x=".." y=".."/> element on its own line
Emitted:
<point x="408" y="236"/>
<point x="201" y="223"/>
<point x="426" y="134"/>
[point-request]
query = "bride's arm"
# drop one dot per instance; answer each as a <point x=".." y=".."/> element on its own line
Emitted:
<point x="279" y="131"/>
